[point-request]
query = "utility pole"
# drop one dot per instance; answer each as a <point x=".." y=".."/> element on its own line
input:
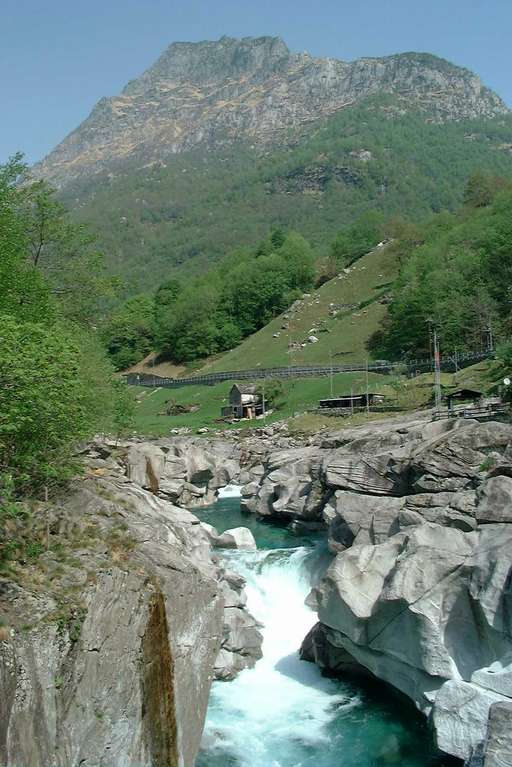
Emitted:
<point x="332" y="373"/>
<point x="437" y="363"/>
<point x="429" y="323"/>
<point x="490" y="339"/>
<point x="367" y="391"/>
<point x="263" y="403"/>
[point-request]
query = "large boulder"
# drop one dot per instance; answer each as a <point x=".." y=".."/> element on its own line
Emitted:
<point x="372" y="474"/>
<point x="428" y="611"/>
<point x="451" y="461"/>
<point x="145" y="465"/>
<point x="494" y="500"/>
<point x="460" y="717"/>
<point x="498" y="746"/>
<point x="291" y="486"/>
<point x="236" y="538"/>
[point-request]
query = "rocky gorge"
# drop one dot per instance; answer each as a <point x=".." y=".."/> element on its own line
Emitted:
<point x="107" y="654"/>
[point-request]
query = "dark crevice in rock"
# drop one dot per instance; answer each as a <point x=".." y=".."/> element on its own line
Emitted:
<point x="158" y="708"/>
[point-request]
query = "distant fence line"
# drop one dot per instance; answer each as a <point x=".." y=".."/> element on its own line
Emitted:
<point x="448" y="364"/>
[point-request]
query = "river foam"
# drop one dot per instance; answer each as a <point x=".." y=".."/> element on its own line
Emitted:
<point x="283" y="713"/>
<point x="280" y="709"/>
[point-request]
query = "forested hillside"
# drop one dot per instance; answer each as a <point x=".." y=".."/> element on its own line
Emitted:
<point x="181" y="215"/>
<point x="56" y="384"/>
<point x="456" y="277"/>
<point x="450" y="272"/>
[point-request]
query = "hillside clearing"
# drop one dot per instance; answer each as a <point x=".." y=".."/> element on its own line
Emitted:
<point x="341" y="331"/>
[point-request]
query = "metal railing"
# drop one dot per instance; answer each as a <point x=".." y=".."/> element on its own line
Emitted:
<point x="448" y="364"/>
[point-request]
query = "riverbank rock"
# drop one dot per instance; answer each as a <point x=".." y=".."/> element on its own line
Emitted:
<point x="428" y="612"/>
<point x="110" y="639"/>
<point x="187" y="471"/>
<point x="290" y="486"/>
<point x="236" y="538"/>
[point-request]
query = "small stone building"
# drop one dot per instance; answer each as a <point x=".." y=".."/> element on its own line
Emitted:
<point x="244" y="402"/>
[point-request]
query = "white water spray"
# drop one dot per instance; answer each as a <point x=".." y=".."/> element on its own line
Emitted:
<point x="229" y="491"/>
<point x="277" y="714"/>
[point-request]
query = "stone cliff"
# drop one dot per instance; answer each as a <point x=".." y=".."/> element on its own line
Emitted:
<point x="108" y="644"/>
<point x="419" y="516"/>
<point x="109" y="641"/>
<point x="254" y="90"/>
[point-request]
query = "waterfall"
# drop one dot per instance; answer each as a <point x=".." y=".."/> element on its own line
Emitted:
<point x="276" y="714"/>
<point x="283" y="713"/>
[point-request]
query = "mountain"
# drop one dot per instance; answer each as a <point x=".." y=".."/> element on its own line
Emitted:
<point x="212" y="94"/>
<point x="220" y="141"/>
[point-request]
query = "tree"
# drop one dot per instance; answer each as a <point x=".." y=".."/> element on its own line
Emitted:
<point x="56" y="386"/>
<point x="481" y="189"/>
<point x="23" y="292"/>
<point x="163" y="309"/>
<point x="44" y="402"/>
<point x="355" y="240"/>
<point x="66" y="254"/>
<point x="129" y="333"/>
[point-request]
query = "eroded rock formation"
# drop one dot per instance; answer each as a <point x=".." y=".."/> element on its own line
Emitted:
<point x="419" y="596"/>
<point x="110" y="640"/>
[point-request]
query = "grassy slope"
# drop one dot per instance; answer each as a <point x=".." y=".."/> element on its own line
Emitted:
<point x="300" y="396"/>
<point x="345" y="335"/>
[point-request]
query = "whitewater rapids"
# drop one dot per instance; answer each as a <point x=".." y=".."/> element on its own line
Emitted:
<point x="276" y="714"/>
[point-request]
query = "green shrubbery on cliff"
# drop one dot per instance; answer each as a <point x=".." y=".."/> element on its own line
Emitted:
<point x="56" y="385"/>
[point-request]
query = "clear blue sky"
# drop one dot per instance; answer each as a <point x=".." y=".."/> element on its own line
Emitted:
<point x="58" y="57"/>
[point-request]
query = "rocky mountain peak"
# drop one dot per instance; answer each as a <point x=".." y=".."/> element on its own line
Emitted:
<point x="214" y="62"/>
<point x="213" y="93"/>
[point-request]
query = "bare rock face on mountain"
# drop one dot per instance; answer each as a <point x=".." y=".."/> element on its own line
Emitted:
<point x="212" y="94"/>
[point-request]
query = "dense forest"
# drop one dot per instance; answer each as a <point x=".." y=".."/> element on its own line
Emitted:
<point x="209" y="314"/>
<point x="179" y="217"/>
<point x="455" y="276"/>
<point x="56" y="383"/>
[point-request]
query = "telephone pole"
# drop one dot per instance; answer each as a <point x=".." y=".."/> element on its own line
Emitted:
<point x="437" y="363"/>
<point x="367" y="391"/>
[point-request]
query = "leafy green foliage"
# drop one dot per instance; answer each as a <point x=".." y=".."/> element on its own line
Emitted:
<point x="56" y="385"/>
<point x="457" y="279"/>
<point x="43" y="401"/>
<point x="157" y="220"/>
<point x="129" y="331"/>
<point x="241" y="295"/>
<point x="355" y="240"/>
<point x="504" y="354"/>
<point x="272" y="391"/>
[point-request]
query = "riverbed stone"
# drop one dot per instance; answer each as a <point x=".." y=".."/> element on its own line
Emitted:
<point x="236" y="538"/>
